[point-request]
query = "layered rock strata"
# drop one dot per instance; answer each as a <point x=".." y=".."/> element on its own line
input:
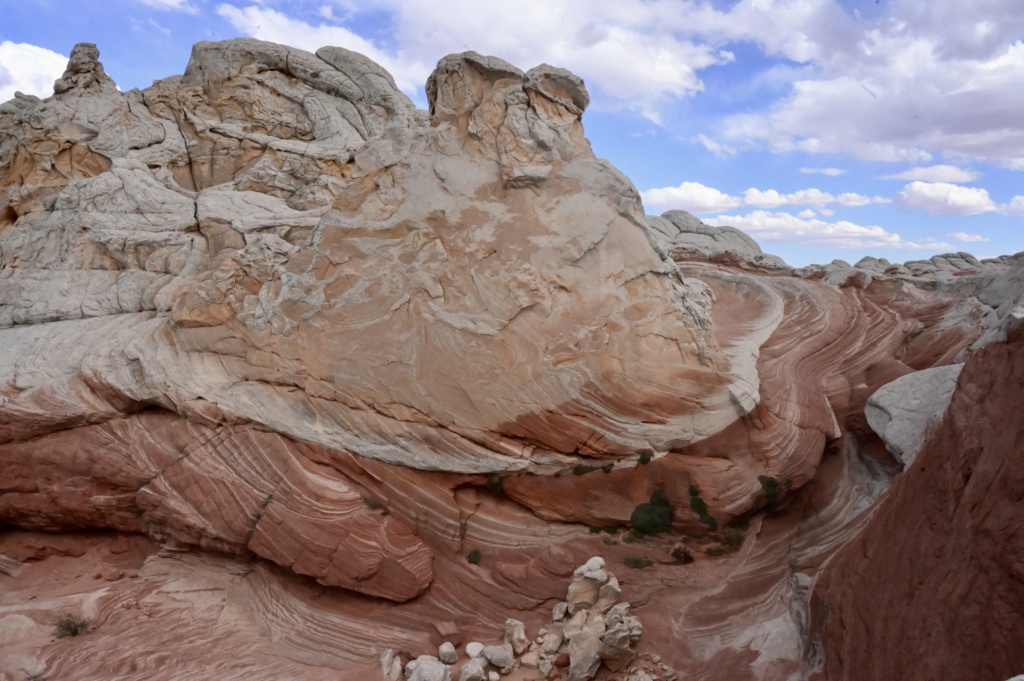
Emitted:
<point x="930" y="588"/>
<point x="268" y="309"/>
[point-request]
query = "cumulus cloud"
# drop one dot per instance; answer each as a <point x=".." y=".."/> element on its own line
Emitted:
<point x="902" y="86"/>
<point x="621" y="48"/>
<point x="906" y="87"/>
<point x="970" y="238"/>
<point x="943" y="198"/>
<point x="28" y="69"/>
<point x="690" y="196"/>
<point x="936" y="173"/>
<point x="697" y="198"/>
<point x="775" y="227"/>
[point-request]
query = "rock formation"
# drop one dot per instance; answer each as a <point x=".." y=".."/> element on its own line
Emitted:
<point x="335" y="376"/>
<point x="600" y="634"/>
<point x="941" y="558"/>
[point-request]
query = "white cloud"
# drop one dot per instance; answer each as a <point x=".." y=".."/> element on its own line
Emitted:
<point x="831" y="172"/>
<point x="936" y="173"/>
<point x="943" y="198"/>
<point x="773" y="227"/>
<point x="690" y="196"/>
<point x="908" y="85"/>
<point x="697" y="198"/>
<point x="621" y="49"/>
<point x="172" y="5"/>
<point x="1014" y="207"/>
<point x="28" y="69"/>
<point x="905" y="88"/>
<point x="271" y="25"/>
<point x="719" y="150"/>
<point x="963" y="236"/>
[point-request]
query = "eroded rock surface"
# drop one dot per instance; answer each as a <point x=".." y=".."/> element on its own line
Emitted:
<point x="268" y="309"/>
<point x="931" y="587"/>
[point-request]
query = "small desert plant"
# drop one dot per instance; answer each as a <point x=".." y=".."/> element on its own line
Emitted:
<point x="638" y="563"/>
<point x="653" y="517"/>
<point x="771" y="489"/>
<point x="700" y="507"/>
<point x="645" y="458"/>
<point x="682" y="555"/>
<point x="583" y="469"/>
<point x="494" y="485"/>
<point x="474" y="556"/>
<point x="70" y="625"/>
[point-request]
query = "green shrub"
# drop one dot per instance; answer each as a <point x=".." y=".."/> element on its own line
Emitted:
<point x="682" y="554"/>
<point x="494" y="485"/>
<point x="645" y="458"/>
<point x="732" y="538"/>
<point x="70" y="625"/>
<point x="638" y="563"/>
<point x="474" y="556"/>
<point x="699" y="507"/>
<point x="654" y="517"/>
<point x="607" y="468"/>
<point x="771" y="489"/>
<point x="583" y="469"/>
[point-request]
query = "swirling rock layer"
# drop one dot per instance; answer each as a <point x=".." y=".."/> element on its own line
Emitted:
<point x="941" y="558"/>
<point x="269" y="310"/>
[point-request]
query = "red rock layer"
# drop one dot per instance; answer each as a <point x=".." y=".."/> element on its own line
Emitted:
<point x="231" y="489"/>
<point x="934" y="585"/>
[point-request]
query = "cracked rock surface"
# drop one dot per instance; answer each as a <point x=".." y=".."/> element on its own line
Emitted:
<point x="271" y="330"/>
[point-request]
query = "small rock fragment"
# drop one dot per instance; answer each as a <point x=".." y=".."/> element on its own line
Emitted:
<point x="474" y="649"/>
<point x="447" y="653"/>
<point x="584" y="656"/>
<point x="515" y="635"/>
<point x="427" y="668"/>
<point x="473" y="670"/>
<point x="448" y="631"/>
<point x="530" y="660"/>
<point x="552" y="641"/>
<point x="500" y="656"/>
<point x="587" y="580"/>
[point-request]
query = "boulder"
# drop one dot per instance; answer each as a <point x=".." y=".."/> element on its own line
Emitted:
<point x="427" y="668"/>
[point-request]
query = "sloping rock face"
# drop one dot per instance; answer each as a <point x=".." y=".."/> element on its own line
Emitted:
<point x="902" y="412"/>
<point x="279" y="238"/>
<point x="932" y="587"/>
<point x="268" y="309"/>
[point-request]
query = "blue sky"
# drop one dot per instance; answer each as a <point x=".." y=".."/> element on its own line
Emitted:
<point x="823" y="128"/>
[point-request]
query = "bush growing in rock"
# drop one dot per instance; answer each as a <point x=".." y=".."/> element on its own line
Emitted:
<point x="70" y="625"/>
<point x="474" y="556"/>
<point x="701" y="509"/>
<point x="653" y="517"/>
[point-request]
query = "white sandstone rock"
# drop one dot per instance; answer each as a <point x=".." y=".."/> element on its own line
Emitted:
<point x="447" y="654"/>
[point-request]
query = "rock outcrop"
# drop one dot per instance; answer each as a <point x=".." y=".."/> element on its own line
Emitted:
<point x="901" y="412"/>
<point x="931" y="588"/>
<point x="276" y="331"/>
